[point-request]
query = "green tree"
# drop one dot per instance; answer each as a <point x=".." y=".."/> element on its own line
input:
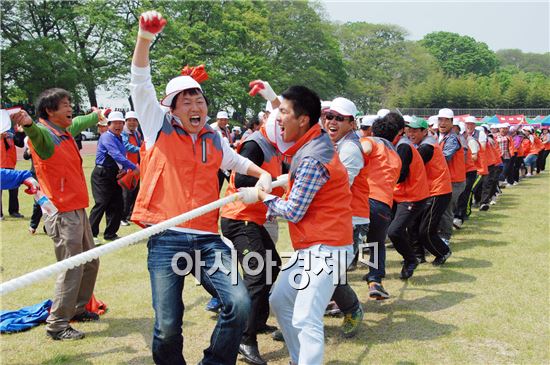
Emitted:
<point x="460" y="55"/>
<point x="527" y="62"/>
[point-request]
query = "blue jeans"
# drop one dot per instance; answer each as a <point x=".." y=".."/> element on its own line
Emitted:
<point x="167" y="287"/>
<point x="380" y="218"/>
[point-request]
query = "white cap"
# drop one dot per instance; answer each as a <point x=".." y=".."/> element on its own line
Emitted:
<point x="5" y="121"/>
<point x="344" y="107"/>
<point x="407" y="119"/>
<point x="470" y="119"/>
<point x="131" y="114"/>
<point x="505" y="125"/>
<point x="115" y="115"/>
<point x="480" y="128"/>
<point x="494" y="126"/>
<point x="432" y="120"/>
<point x="177" y="85"/>
<point x="368" y="120"/>
<point x="382" y="112"/>
<point x="485" y="125"/>
<point x="456" y="122"/>
<point x="222" y="115"/>
<point x="236" y="128"/>
<point x="446" y="113"/>
<point x="325" y="104"/>
<point x="462" y="126"/>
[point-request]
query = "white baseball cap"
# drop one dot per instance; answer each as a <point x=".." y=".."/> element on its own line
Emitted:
<point x="344" y="107"/>
<point x="446" y="113"/>
<point x="115" y="115"/>
<point x="432" y="120"/>
<point x="382" y="112"/>
<point x="325" y="104"/>
<point x="131" y="114"/>
<point x="505" y="125"/>
<point x="236" y="128"/>
<point x="456" y="122"/>
<point x="368" y="120"/>
<point x="261" y="115"/>
<point x="177" y="85"/>
<point x="470" y="119"/>
<point x="408" y="119"/>
<point x="222" y="115"/>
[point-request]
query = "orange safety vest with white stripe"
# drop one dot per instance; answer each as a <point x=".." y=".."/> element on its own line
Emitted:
<point x="437" y="172"/>
<point x="8" y="155"/>
<point x="328" y="217"/>
<point x="415" y="187"/>
<point x="384" y="166"/>
<point x="178" y="175"/>
<point x="360" y="206"/>
<point x="255" y="212"/>
<point x="457" y="164"/>
<point x="61" y="176"/>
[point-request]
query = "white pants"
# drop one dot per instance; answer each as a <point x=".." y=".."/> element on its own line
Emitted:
<point x="301" y="294"/>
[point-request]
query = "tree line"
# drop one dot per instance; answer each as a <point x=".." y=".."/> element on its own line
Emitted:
<point x="81" y="45"/>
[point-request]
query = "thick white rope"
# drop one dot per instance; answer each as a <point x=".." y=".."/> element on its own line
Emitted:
<point x="80" y="259"/>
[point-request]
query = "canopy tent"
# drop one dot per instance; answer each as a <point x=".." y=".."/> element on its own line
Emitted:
<point x="545" y="121"/>
<point x="512" y="119"/>
<point x="490" y="120"/>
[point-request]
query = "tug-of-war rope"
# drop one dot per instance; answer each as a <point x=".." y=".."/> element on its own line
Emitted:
<point x="80" y="259"/>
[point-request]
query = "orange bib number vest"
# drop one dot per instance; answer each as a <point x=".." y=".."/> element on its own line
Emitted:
<point x="272" y="163"/>
<point x="61" y="176"/>
<point x="457" y="164"/>
<point x="437" y="172"/>
<point x="178" y="175"/>
<point x="415" y="187"/>
<point x="328" y="218"/>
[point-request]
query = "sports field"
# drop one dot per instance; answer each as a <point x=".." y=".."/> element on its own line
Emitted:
<point x="488" y="304"/>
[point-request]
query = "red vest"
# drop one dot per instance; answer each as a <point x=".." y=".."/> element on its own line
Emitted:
<point x="384" y="166"/>
<point x="457" y="164"/>
<point x="178" y="175"/>
<point x="415" y="187"/>
<point x="61" y="176"/>
<point x="328" y="218"/>
<point x="272" y="163"/>
<point x="437" y="172"/>
<point x="8" y="155"/>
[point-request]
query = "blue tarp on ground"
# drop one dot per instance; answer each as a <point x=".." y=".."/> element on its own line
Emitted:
<point x="24" y="318"/>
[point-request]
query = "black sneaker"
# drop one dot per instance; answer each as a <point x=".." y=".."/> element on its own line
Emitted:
<point x="408" y="269"/>
<point x="68" y="333"/>
<point x="86" y="317"/>
<point x="484" y="207"/>
<point x="278" y="336"/>
<point x="17" y="215"/>
<point x="440" y="260"/>
<point x="111" y="238"/>
<point x="267" y="329"/>
<point x="377" y="291"/>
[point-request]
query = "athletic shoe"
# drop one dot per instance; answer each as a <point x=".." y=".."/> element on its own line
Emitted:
<point x="440" y="260"/>
<point x="124" y="223"/>
<point x="17" y="215"/>
<point x="86" y="316"/>
<point x="528" y="175"/>
<point x="377" y="291"/>
<point x="457" y="223"/>
<point x="493" y="201"/>
<point x="278" y="336"/>
<point x="32" y="230"/>
<point x="68" y="333"/>
<point x="97" y="241"/>
<point x="515" y="183"/>
<point x="408" y="269"/>
<point x="501" y="184"/>
<point x="446" y="241"/>
<point x="214" y="305"/>
<point x="332" y="309"/>
<point x="111" y="238"/>
<point x="351" y="323"/>
<point x="484" y="207"/>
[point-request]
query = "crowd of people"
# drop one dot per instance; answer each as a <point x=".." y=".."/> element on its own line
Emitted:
<point x="353" y="182"/>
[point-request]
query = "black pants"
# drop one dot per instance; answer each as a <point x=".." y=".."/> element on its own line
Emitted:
<point x="541" y="160"/>
<point x="464" y="200"/>
<point x="517" y="167"/>
<point x="129" y="199"/>
<point x="490" y="182"/>
<point x="221" y="177"/>
<point x="108" y="199"/>
<point x="250" y="237"/>
<point x="429" y="223"/>
<point x="404" y="217"/>
<point x="36" y="215"/>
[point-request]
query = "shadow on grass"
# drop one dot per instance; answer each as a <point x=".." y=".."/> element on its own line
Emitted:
<point x="85" y="358"/>
<point x="466" y="245"/>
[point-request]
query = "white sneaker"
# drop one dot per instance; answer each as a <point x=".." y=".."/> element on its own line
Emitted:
<point x="528" y="175"/>
<point x="457" y="223"/>
<point x="124" y="223"/>
<point x="515" y="183"/>
<point x="97" y="241"/>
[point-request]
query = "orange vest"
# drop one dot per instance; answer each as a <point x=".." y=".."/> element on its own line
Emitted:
<point x="272" y="163"/>
<point x="437" y="172"/>
<point x="178" y="175"/>
<point x="328" y="217"/>
<point x="384" y="166"/>
<point x="481" y="163"/>
<point x="360" y="188"/>
<point x="61" y="176"/>
<point x="133" y="139"/>
<point x="494" y="152"/>
<point x="538" y="146"/>
<point x="8" y="155"/>
<point x="469" y="163"/>
<point x="457" y="164"/>
<point x="415" y="187"/>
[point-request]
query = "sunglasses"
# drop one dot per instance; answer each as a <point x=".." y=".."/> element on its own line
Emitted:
<point x="338" y="118"/>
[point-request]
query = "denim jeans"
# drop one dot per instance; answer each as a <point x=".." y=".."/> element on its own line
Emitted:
<point x="167" y="287"/>
<point x="380" y="218"/>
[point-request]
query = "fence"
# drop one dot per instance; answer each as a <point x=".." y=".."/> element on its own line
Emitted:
<point x="426" y="112"/>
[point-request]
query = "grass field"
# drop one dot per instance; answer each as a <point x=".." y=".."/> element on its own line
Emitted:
<point x="489" y="303"/>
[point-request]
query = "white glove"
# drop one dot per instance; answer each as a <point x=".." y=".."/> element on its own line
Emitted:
<point x="283" y="178"/>
<point x="264" y="183"/>
<point x="263" y="88"/>
<point x="248" y="195"/>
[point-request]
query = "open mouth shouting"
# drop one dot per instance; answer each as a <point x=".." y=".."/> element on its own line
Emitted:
<point x="195" y="120"/>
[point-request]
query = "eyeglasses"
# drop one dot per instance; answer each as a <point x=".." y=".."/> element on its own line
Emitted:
<point x="338" y="118"/>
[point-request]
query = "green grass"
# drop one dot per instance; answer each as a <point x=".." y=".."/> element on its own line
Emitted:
<point x="488" y="304"/>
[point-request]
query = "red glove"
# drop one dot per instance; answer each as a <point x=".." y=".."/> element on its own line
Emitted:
<point x="32" y="186"/>
<point x="255" y="87"/>
<point x="150" y="24"/>
<point x="198" y="73"/>
<point x="101" y="113"/>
